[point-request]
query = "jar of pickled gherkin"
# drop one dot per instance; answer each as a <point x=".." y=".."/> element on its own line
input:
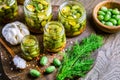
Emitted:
<point x="30" y="47"/>
<point x="72" y="15"/>
<point x="8" y="10"/>
<point x="37" y="14"/>
<point x="54" y="38"/>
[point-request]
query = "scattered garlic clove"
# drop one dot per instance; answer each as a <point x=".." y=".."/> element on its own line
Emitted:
<point x="19" y="62"/>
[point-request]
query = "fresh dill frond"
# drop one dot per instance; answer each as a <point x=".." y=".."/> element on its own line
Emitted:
<point x="77" y="60"/>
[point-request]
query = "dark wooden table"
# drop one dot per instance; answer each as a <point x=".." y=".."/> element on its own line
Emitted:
<point x="107" y="65"/>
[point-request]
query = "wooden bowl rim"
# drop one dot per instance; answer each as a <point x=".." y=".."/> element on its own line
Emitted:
<point x="96" y="10"/>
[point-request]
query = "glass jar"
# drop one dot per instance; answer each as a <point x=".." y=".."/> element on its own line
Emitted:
<point x="72" y="15"/>
<point x="30" y="47"/>
<point x="20" y="1"/>
<point x="37" y="14"/>
<point x="8" y="10"/>
<point x="54" y="38"/>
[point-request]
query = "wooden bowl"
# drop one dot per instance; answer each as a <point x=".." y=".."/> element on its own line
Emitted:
<point x="101" y="26"/>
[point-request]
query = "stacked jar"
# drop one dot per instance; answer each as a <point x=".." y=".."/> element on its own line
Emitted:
<point x="8" y="10"/>
<point x="37" y="14"/>
<point x="73" y="16"/>
<point x="54" y="38"/>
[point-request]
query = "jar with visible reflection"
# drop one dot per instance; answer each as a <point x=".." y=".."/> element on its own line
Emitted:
<point x="37" y="14"/>
<point x="30" y="47"/>
<point x="72" y="15"/>
<point x="54" y="38"/>
<point x="8" y="10"/>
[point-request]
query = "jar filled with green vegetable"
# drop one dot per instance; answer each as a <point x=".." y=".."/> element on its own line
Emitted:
<point x="30" y="47"/>
<point x="54" y="39"/>
<point x="37" y="14"/>
<point x="8" y="10"/>
<point x="72" y="15"/>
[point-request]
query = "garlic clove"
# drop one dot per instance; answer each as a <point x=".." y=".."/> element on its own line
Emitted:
<point x="19" y="62"/>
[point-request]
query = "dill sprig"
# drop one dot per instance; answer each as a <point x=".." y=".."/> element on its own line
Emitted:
<point x="77" y="60"/>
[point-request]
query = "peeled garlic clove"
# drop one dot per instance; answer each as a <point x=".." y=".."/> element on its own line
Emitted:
<point x="19" y="62"/>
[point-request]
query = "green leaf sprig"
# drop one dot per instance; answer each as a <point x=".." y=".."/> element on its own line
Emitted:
<point x="77" y="60"/>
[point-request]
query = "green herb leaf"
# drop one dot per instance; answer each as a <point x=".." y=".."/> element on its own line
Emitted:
<point x="77" y="60"/>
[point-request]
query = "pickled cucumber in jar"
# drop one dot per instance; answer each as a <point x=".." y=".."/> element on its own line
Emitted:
<point x="30" y="47"/>
<point x="37" y="14"/>
<point x="54" y="39"/>
<point x="8" y="10"/>
<point x="73" y="16"/>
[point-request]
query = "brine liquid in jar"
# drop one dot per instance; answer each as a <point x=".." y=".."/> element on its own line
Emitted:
<point x="72" y="15"/>
<point x="37" y="14"/>
<point x="30" y="47"/>
<point x="8" y="11"/>
<point x="54" y="38"/>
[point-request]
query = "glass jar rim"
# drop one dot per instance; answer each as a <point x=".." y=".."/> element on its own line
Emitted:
<point x="10" y="1"/>
<point x="56" y="23"/>
<point x="13" y="2"/>
<point x="26" y="2"/>
<point x="73" y="2"/>
<point x="28" y="36"/>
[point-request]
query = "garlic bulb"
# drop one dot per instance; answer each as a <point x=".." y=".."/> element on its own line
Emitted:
<point x="14" y="32"/>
